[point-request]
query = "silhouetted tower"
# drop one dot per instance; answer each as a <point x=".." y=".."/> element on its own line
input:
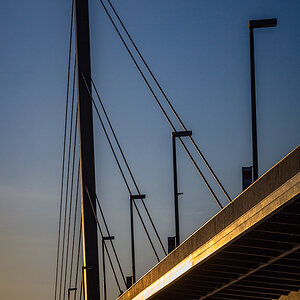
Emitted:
<point x="86" y="142"/>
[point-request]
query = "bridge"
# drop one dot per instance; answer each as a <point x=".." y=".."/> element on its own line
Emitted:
<point x="249" y="250"/>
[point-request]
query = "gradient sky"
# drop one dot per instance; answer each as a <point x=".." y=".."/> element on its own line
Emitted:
<point x="199" y="51"/>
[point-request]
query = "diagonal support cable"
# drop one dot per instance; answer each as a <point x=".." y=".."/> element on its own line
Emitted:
<point x="127" y="166"/>
<point x="72" y="181"/>
<point x="111" y="241"/>
<point x="168" y="101"/>
<point x="118" y="163"/>
<point x="64" y="153"/>
<point x="105" y="246"/>
<point x="156" y="99"/>
<point x="188" y="153"/>
<point x="74" y="226"/>
<point x="66" y="199"/>
<point x="78" y="256"/>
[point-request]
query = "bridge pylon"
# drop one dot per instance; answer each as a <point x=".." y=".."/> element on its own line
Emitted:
<point x="87" y="162"/>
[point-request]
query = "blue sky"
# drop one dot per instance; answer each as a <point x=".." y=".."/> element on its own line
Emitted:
<point x="199" y="51"/>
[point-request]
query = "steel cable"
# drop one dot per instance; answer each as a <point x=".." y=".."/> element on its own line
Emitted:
<point x="154" y="95"/>
<point x="127" y="166"/>
<point x="168" y="101"/>
<point x="105" y="246"/>
<point x="66" y="195"/>
<point x="74" y="229"/>
<point x="64" y="152"/>
<point x="78" y="256"/>
<point x="111" y="242"/>
<point x="80" y="290"/>
<point x="120" y="168"/>
<point x="72" y="179"/>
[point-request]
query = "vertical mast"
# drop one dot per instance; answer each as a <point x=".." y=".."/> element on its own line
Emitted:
<point x="253" y="109"/>
<point x="86" y="144"/>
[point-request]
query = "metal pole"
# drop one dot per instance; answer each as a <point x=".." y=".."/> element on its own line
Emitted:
<point x="103" y="271"/>
<point x="104" y="238"/>
<point x="177" y="238"/>
<point x="177" y="134"/>
<point x="253" y="108"/>
<point x="132" y="242"/>
<point x="86" y="142"/>
<point x="70" y="290"/>
<point x="263" y="23"/>
<point x="131" y="199"/>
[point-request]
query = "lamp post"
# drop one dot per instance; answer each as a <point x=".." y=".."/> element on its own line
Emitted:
<point x="70" y="290"/>
<point x="177" y="134"/>
<point x="131" y="199"/>
<point x="105" y="238"/>
<point x="251" y="25"/>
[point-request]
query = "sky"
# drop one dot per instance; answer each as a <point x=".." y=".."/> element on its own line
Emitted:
<point x="199" y="51"/>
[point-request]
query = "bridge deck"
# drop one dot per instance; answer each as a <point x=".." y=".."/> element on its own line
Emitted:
<point x="249" y="250"/>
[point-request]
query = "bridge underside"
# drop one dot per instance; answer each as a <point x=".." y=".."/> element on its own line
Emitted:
<point x="249" y="250"/>
<point x="263" y="264"/>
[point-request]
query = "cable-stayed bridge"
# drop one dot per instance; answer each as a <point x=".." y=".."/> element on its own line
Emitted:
<point x="242" y="253"/>
<point x="249" y="250"/>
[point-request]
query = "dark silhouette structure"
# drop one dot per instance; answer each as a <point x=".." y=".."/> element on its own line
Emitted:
<point x="251" y="25"/>
<point x="86" y="142"/>
<point x="249" y="250"/>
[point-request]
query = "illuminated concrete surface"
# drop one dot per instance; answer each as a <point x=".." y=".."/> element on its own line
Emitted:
<point x="291" y="296"/>
<point x="249" y="250"/>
